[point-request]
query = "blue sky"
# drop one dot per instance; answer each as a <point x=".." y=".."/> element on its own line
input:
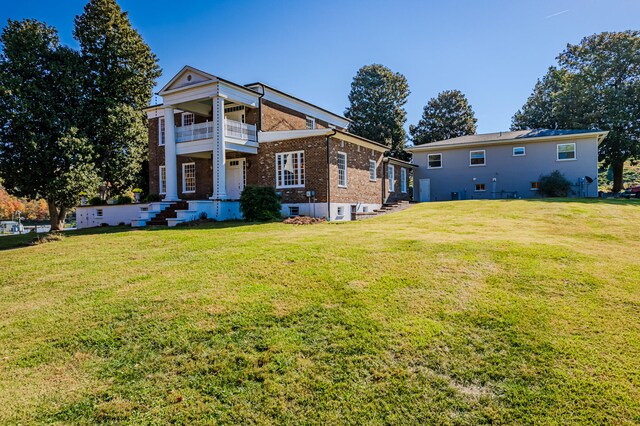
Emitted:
<point x="493" y="51"/>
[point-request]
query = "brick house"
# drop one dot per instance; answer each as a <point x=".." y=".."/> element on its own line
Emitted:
<point x="211" y="137"/>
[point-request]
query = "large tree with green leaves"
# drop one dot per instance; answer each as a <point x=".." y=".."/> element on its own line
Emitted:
<point x="42" y="152"/>
<point x="122" y="71"/>
<point x="595" y="86"/>
<point x="376" y="109"/>
<point x="446" y="116"/>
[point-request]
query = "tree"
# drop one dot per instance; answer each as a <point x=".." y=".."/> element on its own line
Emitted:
<point x="42" y="153"/>
<point x="122" y="71"/>
<point x="447" y="116"/>
<point x="596" y="86"/>
<point x="377" y="98"/>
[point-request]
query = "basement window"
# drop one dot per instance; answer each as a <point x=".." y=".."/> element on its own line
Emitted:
<point x="99" y="212"/>
<point x="535" y="186"/>
<point x="480" y="187"/>
<point x="341" y="211"/>
<point x="294" y="211"/>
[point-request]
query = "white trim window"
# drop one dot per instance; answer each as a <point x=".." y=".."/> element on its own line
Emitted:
<point x="480" y="187"/>
<point x="161" y="131"/>
<point x="477" y="158"/>
<point x="290" y="169"/>
<point x="342" y="169"/>
<point x="434" y="161"/>
<point x="566" y="151"/>
<point x="372" y="170"/>
<point x="310" y="123"/>
<point x="390" y="177"/>
<point x="188" y="178"/>
<point x="162" y="181"/>
<point x="519" y="151"/>
<point x="294" y="211"/>
<point x="403" y="180"/>
<point x="535" y="186"/>
<point x="188" y="118"/>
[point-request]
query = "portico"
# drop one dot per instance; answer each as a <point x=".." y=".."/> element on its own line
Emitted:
<point x="214" y="121"/>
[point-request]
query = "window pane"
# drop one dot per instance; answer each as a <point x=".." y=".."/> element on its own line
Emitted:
<point x="477" y="157"/>
<point x="566" y="151"/>
<point x="342" y="169"/>
<point x="435" y="161"/>
<point x="372" y="170"/>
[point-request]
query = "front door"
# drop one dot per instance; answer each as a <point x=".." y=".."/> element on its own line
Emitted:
<point x="235" y="177"/>
<point x="425" y="189"/>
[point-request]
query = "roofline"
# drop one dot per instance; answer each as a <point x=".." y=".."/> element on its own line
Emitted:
<point x="397" y="160"/>
<point x="213" y="77"/>
<point x="307" y="133"/>
<point x="430" y="147"/>
<point x="258" y="83"/>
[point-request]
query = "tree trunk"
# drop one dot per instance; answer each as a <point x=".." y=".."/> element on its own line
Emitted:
<point x="56" y="215"/>
<point x="618" y="169"/>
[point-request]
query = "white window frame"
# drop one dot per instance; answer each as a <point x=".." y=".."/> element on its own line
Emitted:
<point x="524" y="151"/>
<point x="340" y="211"/>
<point x="373" y="171"/>
<point x="292" y="209"/>
<point x="391" y="178"/>
<point x="484" y="158"/>
<point x="162" y="180"/>
<point x="575" y="153"/>
<point x="429" y="161"/>
<point x="344" y="171"/>
<point x="480" y="190"/>
<point x="184" y="178"/>
<point x="161" y="131"/>
<point x="100" y="213"/>
<point x="310" y="123"/>
<point x="403" y="180"/>
<point x="300" y="170"/>
<point x="188" y="114"/>
<point x="535" y="189"/>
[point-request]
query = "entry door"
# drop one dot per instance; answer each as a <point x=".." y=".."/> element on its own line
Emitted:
<point x="425" y="189"/>
<point x="235" y="177"/>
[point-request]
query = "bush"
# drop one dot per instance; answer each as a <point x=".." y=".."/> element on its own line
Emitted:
<point x="260" y="203"/>
<point x="97" y="201"/>
<point x="151" y="198"/>
<point x="554" y="185"/>
<point x="124" y="199"/>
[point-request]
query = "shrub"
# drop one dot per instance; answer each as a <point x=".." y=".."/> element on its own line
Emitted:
<point x="124" y="199"/>
<point x="151" y="198"/>
<point x="260" y="203"/>
<point x="96" y="201"/>
<point x="554" y="185"/>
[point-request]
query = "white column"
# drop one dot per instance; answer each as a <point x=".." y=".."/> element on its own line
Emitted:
<point x="170" y="161"/>
<point x="219" y="165"/>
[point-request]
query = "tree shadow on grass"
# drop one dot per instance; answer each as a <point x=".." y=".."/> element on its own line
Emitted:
<point x="615" y="201"/>
<point x="26" y="240"/>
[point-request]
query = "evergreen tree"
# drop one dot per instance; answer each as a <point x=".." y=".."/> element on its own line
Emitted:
<point x="122" y="71"/>
<point x="42" y="153"/>
<point x="447" y="116"/>
<point x="596" y="86"/>
<point x="377" y="98"/>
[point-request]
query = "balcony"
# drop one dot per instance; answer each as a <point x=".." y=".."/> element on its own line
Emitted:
<point x="234" y="131"/>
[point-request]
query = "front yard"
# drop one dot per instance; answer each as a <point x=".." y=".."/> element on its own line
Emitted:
<point x="458" y="313"/>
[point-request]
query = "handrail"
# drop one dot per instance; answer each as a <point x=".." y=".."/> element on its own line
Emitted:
<point x="232" y="129"/>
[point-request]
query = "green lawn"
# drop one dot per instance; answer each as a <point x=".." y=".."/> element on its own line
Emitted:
<point x="451" y="313"/>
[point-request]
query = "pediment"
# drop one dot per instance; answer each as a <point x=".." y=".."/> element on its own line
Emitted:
<point x="188" y="76"/>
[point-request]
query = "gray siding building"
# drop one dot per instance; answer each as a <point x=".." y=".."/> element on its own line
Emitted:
<point x="506" y="164"/>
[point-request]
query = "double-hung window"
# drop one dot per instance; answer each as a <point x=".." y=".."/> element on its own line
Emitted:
<point x="434" y="161"/>
<point x="311" y="123"/>
<point x="161" y="131"/>
<point x="390" y="177"/>
<point x="342" y="169"/>
<point x="477" y="158"/>
<point x="518" y="151"/>
<point x="163" y="179"/>
<point x="403" y="180"/>
<point x="188" y="118"/>
<point x="372" y="170"/>
<point x="566" y="151"/>
<point x="290" y="169"/>
<point x="188" y="178"/>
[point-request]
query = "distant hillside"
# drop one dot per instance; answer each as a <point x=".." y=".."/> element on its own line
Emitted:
<point x="631" y="177"/>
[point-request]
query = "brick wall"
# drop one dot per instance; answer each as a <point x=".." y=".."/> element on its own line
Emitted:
<point x="277" y="117"/>
<point x="360" y="189"/>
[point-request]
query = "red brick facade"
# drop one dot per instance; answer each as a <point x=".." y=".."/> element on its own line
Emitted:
<point x="277" y="117"/>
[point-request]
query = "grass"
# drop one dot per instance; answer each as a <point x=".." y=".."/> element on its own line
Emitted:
<point x="471" y="312"/>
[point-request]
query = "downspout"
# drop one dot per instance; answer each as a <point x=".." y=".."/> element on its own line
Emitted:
<point x="384" y="180"/>
<point x="328" y="138"/>
<point x="260" y="109"/>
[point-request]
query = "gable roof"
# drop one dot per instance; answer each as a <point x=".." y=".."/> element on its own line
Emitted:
<point x="201" y="77"/>
<point x="508" y="137"/>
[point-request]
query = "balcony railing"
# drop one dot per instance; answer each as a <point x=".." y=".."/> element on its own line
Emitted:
<point x="232" y="129"/>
